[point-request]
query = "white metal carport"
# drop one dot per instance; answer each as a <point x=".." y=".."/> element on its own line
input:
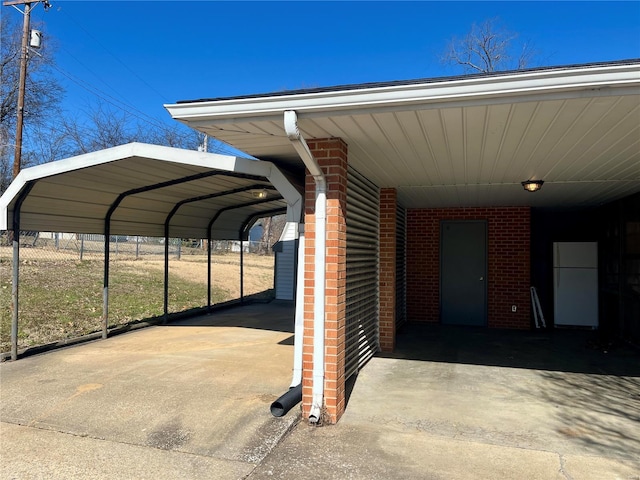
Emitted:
<point x="141" y="189"/>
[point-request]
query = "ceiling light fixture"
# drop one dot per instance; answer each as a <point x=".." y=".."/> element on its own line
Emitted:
<point x="260" y="194"/>
<point x="532" y="185"/>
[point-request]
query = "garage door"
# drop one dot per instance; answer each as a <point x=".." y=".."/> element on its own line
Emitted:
<point x="362" y="340"/>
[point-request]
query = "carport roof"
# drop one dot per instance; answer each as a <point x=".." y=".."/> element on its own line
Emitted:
<point x="461" y="141"/>
<point x="140" y="186"/>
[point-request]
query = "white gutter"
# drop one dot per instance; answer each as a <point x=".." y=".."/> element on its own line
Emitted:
<point x="301" y="147"/>
<point x="549" y="84"/>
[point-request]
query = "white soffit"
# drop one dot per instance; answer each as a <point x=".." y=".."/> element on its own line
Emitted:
<point x="154" y="182"/>
<point x="462" y="142"/>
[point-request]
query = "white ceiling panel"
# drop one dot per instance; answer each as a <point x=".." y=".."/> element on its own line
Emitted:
<point x="464" y="141"/>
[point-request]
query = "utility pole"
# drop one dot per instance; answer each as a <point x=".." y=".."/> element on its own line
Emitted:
<point x="204" y="146"/>
<point x="24" y="53"/>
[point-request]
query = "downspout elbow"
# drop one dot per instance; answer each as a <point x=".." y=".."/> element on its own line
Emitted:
<point x="293" y="133"/>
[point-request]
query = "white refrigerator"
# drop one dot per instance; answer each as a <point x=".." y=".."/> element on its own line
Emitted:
<point x="575" y="279"/>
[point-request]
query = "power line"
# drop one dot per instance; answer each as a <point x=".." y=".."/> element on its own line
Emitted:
<point x="163" y="97"/>
<point x="219" y="146"/>
<point x="123" y="105"/>
<point x="128" y="108"/>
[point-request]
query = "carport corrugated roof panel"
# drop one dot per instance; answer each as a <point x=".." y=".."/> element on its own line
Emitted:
<point x="75" y="194"/>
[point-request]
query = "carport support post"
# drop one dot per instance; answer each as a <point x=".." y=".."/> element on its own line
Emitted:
<point x="105" y="283"/>
<point x="241" y="270"/>
<point x="16" y="269"/>
<point x="14" y="288"/>
<point x="166" y="273"/>
<point x="209" y="269"/>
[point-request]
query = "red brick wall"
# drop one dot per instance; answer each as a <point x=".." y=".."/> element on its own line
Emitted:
<point x="331" y="155"/>
<point x="387" y="269"/>
<point x="509" y="233"/>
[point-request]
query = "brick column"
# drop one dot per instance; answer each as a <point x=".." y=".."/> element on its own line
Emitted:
<point x="387" y="268"/>
<point x="331" y="155"/>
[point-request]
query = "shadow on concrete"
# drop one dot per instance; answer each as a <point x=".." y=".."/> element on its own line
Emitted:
<point x="585" y="391"/>
<point x="276" y="316"/>
<point x="577" y="351"/>
<point x="288" y="341"/>
<point x="258" y="311"/>
<point x="596" y="410"/>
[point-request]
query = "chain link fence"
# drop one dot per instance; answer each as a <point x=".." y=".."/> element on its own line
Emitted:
<point x="61" y="279"/>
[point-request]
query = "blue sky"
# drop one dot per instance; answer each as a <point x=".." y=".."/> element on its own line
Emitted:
<point x="148" y="53"/>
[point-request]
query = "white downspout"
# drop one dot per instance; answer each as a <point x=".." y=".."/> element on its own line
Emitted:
<point x="299" y="314"/>
<point x="298" y="142"/>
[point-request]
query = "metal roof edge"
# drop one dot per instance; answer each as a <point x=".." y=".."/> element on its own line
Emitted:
<point x="155" y="152"/>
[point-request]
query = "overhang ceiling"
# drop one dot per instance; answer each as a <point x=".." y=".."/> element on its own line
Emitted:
<point x="468" y="141"/>
<point x="143" y="186"/>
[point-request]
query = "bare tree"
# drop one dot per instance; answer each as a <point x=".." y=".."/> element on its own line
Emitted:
<point x="488" y="47"/>
<point x="46" y="145"/>
<point x="6" y="167"/>
<point x="176" y="135"/>
<point x="104" y="126"/>
<point x="100" y="128"/>
<point x="43" y="93"/>
<point x="272" y="228"/>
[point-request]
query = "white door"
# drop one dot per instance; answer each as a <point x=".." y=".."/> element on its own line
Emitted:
<point x="575" y="278"/>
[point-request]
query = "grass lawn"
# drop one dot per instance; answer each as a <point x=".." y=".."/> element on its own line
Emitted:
<point x="63" y="299"/>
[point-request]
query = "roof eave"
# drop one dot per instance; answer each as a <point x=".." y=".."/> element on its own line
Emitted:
<point x="546" y="84"/>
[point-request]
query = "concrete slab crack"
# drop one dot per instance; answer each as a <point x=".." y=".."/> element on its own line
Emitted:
<point x="562" y="470"/>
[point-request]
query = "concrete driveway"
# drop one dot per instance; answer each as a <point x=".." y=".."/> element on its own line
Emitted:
<point x="191" y="401"/>
<point x="465" y="403"/>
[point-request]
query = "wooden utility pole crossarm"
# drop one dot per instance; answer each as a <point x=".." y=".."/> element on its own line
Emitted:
<point x="8" y="3"/>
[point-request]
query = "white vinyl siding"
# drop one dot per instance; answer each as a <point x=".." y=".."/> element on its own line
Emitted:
<point x="285" y="264"/>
